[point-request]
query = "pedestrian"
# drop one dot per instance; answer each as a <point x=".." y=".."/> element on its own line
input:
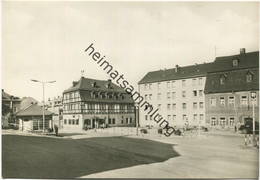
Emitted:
<point x="235" y="128"/>
<point x="56" y="129"/>
<point x="245" y="139"/>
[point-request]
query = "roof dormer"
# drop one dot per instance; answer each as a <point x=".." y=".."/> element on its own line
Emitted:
<point x="235" y="62"/>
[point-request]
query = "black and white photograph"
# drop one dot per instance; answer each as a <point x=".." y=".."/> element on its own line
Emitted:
<point x="130" y="89"/>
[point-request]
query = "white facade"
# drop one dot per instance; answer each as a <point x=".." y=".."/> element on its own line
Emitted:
<point x="179" y="101"/>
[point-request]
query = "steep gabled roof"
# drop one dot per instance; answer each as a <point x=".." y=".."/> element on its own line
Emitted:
<point x="182" y="72"/>
<point x="235" y="76"/>
<point x="100" y="85"/>
<point x="234" y="81"/>
<point x="33" y="110"/>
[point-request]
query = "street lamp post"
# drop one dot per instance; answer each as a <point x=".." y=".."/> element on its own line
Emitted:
<point x="43" y="96"/>
<point x="253" y="96"/>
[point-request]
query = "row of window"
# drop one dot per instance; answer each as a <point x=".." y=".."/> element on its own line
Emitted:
<point x="172" y="84"/>
<point x="71" y="121"/>
<point x="196" y="105"/>
<point x="172" y="95"/>
<point x="223" y="77"/>
<point x="184" y="117"/>
<point x="244" y="100"/>
<point x="222" y="121"/>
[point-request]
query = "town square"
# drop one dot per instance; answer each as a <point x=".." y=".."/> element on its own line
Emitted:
<point x="130" y="90"/>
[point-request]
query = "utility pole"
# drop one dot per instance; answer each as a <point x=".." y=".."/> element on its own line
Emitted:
<point x="253" y="97"/>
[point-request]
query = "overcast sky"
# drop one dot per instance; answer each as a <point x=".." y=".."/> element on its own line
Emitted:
<point x="46" y="40"/>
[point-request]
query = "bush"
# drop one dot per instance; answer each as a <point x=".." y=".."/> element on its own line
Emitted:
<point x="178" y="132"/>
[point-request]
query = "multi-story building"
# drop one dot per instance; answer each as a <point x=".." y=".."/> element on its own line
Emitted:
<point x="178" y="93"/>
<point x="91" y="103"/>
<point x="228" y="90"/>
<point x="10" y="106"/>
<point x="56" y="107"/>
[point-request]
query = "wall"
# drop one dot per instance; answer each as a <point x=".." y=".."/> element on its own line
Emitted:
<point x="176" y="87"/>
<point x="227" y="111"/>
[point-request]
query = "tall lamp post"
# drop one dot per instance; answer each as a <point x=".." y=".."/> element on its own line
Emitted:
<point x="43" y="96"/>
<point x="253" y="96"/>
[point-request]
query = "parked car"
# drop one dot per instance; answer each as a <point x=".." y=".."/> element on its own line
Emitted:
<point x="144" y="131"/>
<point x="247" y="128"/>
<point x="178" y="132"/>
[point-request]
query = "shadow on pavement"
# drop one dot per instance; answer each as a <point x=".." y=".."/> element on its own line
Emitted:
<point x="43" y="157"/>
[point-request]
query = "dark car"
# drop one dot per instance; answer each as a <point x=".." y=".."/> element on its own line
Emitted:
<point x="247" y="128"/>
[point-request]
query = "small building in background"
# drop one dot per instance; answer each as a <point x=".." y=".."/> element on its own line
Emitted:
<point x="92" y="103"/>
<point x="31" y="118"/>
<point x="229" y="87"/>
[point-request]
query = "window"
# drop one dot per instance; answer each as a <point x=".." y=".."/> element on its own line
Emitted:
<point x="195" y="117"/>
<point x="201" y="117"/>
<point x="249" y="77"/>
<point x="174" y="117"/>
<point x="173" y="84"/>
<point x="222" y="101"/>
<point x="69" y="121"/>
<point x="212" y="101"/>
<point x="73" y="121"/>
<point x="114" y="121"/>
<point x="146" y="117"/>
<point x="200" y="92"/>
<point x="173" y="106"/>
<point x="231" y="100"/>
<point x="159" y="96"/>
<point x="131" y="120"/>
<point x="158" y="85"/>
<point x="151" y="117"/>
<point x="168" y="95"/>
<point x="126" y="120"/>
<point x="222" y="121"/>
<point x="168" y="84"/>
<point x="65" y="121"/>
<point x="194" y="93"/>
<point x="243" y="100"/>
<point x="201" y="105"/>
<point x="213" y="121"/>
<point x="200" y="81"/>
<point x="231" y="121"/>
<point x="183" y="93"/>
<point x="235" y="63"/>
<point x="195" y="105"/>
<point x="222" y="80"/>
<point x="194" y="82"/>
<point x="173" y="95"/>
<point x="145" y="87"/>
<point x="109" y="121"/>
<point x="184" y="106"/>
<point x="183" y="83"/>
<point x="168" y="106"/>
<point x="150" y="96"/>
<point x="169" y="117"/>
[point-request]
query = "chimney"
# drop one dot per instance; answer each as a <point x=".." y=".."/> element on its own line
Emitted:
<point x="177" y="68"/>
<point x="242" y="51"/>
